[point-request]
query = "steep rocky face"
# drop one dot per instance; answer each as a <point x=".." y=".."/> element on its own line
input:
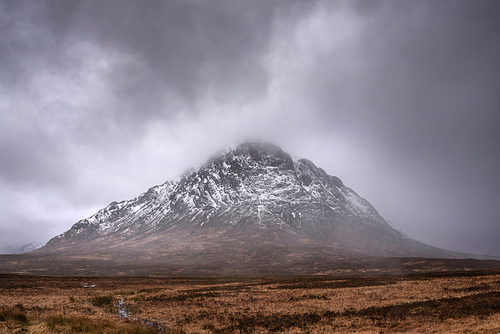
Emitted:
<point x="248" y="198"/>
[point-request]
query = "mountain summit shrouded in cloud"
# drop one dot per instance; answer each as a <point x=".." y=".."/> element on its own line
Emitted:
<point x="251" y="202"/>
<point x="99" y="100"/>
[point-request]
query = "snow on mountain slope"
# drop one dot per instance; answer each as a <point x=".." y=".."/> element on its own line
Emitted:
<point x="20" y="249"/>
<point x="254" y="189"/>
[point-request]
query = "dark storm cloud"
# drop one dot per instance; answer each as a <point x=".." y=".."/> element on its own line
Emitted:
<point x="167" y="58"/>
<point x="425" y="98"/>
<point x="401" y="99"/>
<point x="82" y="82"/>
<point x="184" y="50"/>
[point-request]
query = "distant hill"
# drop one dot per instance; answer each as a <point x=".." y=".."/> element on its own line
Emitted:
<point x="19" y="249"/>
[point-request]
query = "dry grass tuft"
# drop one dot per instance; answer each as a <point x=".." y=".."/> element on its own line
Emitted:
<point x="82" y="324"/>
<point x="15" y="314"/>
<point x="481" y="305"/>
<point x="453" y="303"/>
<point x="101" y="301"/>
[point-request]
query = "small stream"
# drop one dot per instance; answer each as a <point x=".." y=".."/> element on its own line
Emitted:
<point x="124" y="312"/>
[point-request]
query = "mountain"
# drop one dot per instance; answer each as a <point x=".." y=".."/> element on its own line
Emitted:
<point x="250" y="205"/>
<point x="19" y="249"/>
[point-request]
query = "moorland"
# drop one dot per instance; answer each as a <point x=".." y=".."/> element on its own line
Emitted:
<point x="445" y="302"/>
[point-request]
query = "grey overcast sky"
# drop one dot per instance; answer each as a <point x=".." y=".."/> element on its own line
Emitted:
<point x="100" y="100"/>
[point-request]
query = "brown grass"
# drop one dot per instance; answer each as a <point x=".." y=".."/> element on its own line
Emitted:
<point x="467" y="302"/>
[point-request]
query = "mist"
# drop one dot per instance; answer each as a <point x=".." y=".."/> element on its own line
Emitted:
<point x="400" y="100"/>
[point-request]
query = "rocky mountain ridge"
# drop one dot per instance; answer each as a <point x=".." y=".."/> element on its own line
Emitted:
<point x="241" y="202"/>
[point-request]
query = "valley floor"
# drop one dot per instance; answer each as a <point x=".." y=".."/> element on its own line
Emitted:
<point x="453" y="302"/>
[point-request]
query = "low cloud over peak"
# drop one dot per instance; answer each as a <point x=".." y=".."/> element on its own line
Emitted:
<point x="100" y="101"/>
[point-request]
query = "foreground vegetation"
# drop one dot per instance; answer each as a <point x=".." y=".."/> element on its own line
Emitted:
<point x="460" y="302"/>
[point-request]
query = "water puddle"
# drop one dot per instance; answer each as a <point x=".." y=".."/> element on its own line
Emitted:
<point x="124" y="313"/>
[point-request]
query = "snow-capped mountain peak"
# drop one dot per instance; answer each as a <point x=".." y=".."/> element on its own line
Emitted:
<point x="251" y="195"/>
